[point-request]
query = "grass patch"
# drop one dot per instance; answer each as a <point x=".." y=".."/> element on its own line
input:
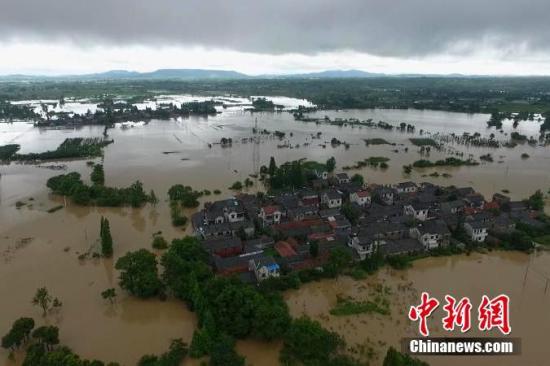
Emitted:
<point x="346" y="306"/>
<point x="422" y="141"/>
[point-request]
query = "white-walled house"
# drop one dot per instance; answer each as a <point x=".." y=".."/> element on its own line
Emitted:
<point x="332" y="199"/>
<point x="418" y="210"/>
<point x="270" y="215"/>
<point x="361" y="197"/>
<point x="406" y="187"/>
<point x="432" y="234"/>
<point x="363" y="245"/>
<point x="477" y="230"/>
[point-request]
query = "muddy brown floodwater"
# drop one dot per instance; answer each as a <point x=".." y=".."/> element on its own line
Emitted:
<point x="38" y="248"/>
<point x="522" y="277"/>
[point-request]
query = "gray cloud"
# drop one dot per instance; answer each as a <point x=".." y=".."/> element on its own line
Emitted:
<point x="390" y="28"/>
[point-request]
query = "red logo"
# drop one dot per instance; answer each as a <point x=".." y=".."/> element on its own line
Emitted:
<point x="492" y="313"/>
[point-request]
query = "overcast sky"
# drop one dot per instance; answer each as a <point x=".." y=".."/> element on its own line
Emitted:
<point x="276" y="36"/>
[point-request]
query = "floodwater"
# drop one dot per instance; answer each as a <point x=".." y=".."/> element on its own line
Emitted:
<point x="522" y="277"/>
<point x="41" y="249"/>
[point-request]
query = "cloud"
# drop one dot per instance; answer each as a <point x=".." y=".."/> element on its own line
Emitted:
<point x="392" y="28"/>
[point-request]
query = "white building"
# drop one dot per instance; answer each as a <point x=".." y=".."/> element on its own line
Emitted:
<point x="477" y="230"/>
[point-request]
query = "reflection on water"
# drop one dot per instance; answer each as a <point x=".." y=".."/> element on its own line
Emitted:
<point x="41" y="249"/>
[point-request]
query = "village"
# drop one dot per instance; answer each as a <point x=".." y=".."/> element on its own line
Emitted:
<point x="257" y="237"/>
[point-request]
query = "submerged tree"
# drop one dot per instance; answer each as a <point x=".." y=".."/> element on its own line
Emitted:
<point x="109" y="294"/>
<point x="106" y="238"/>
<point x="43" y="299"/>
<point x="18" y="334"/>
<point x="139" y="273"/>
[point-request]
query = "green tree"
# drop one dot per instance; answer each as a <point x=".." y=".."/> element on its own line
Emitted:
<point x="358" y="179"/>
<point x="351" y="212"/>
<point x="43" y="299"/>
<point x="536" y="200"/>
<point x="153" y="198"/>
<point x="223" y="353"/>
<point x="109" y="294"/>
<point x="159" y="242"/>
<point x="314" y="248"/>
<point x="106" y="238"/>
<point x="307" y="342"/>
<point x="47" y="336"/>
<point x="98" y="175"/>
<point x="396" y="358"/>
<point x="331" y="164"/>
<point x="139" y="274"/>
<point x="18" y="334"/>
<point x="173" y="357"/>
<point x="272" y="166"/>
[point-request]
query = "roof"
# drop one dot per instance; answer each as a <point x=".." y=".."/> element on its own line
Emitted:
<point x="401" y="246"/>
<point x="333" y="195"/>
<point x="269" y="210"/>
<point x="342" y="176"/>
<point x="433" y="227"/>
<point x="408" y="184"/>
<point x="266" y="261"/>
<point x="284" y="249"/>
<point x="217" y="244"/>
<point x="478" y="224"/>
<point x="363" y="193"/>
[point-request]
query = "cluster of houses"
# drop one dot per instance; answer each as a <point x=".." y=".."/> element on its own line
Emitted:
<point x="258" y="236"/>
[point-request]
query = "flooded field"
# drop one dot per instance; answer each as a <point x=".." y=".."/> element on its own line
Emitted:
<point x="518" y="275"/>
<point x="41" y="249"/>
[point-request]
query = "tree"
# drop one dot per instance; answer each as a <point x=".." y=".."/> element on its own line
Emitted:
<point x="307" y="342"/>
<point x="223" y="353"/>
<point x="18" y="334"/>
<point x="43" y="299"/>
<point x="331" y="164"/>
<point x="339" y="258"/>
<point x="314" y="248"/>
<point x="159" y="242"/>
<point x="98" y="175"/>
<point x="396" y="358"/>
<point x="351" y="212"/>
<point x="173" y="357"/>
<point x="139" y="274"/>
<point x="272" y="166"/>
<point x="106" y="238"/>
<point x="358" y="179"/>
<point x="153" y="198"/>
<point x="47" y="336"/>
<point x="536" y="200"/>
<point x="109" y="294"/>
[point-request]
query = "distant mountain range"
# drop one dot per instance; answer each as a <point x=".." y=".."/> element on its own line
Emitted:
<point x="203" y="74"/>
